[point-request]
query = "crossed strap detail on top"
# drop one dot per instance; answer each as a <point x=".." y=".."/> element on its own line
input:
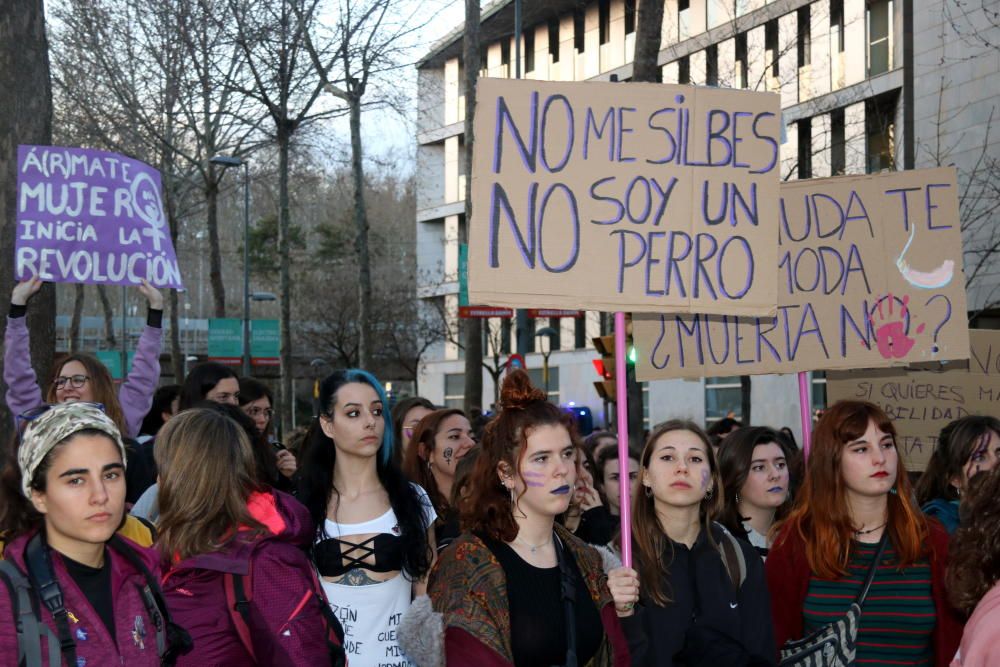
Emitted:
<point x="333" y="560"/>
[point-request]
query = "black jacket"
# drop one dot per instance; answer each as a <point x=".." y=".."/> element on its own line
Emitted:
<point x="721" y="626"/>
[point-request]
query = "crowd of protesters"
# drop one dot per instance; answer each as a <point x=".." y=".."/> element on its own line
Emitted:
<point x="150" y="525"/>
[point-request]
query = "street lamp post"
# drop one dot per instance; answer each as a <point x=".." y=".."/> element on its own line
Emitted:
<point x="550" y="333"/>
<point x="227" y="161"/>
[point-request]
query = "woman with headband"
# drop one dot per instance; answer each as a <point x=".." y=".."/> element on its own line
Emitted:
<point x="61" y="501"/>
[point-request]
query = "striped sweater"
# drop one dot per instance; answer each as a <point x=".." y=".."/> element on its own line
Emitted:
<point x="898" y="616"/>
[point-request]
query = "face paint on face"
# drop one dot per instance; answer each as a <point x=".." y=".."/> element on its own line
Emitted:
<point x="705" y="475"/>
<point x="447" y="453"/>
<point x="533" y="479"/>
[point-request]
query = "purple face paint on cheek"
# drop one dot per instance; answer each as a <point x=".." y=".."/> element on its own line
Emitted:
<point x="533" y="479"/>
<point x="704" y="479"/>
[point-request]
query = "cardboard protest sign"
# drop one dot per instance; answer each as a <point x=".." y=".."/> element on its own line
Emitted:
<point x="624" y="197"/>
<point x="88" y="216"/>
<point x="922" y="402"/>
<point x="869" y="276"/>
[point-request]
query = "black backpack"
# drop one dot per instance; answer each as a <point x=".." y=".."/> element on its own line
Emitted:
<point x="39" y="584"/>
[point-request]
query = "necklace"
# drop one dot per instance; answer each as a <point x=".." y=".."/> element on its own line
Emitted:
<point x="870" y="530"/>
<point x="534" y="547"/>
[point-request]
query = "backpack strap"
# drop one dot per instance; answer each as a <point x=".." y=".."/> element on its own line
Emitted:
<point x="732" y="558"/>
<point x="30" y="632"/>
<point x="239" y="608"/>
<point x="171" y="640"/>
<point x="43" y="581"/>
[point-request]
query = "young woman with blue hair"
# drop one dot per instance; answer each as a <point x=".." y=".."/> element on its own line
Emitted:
<point x="374" y="538"/>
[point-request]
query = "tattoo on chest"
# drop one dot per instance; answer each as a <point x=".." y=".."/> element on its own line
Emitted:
<point x="357" y="577"/>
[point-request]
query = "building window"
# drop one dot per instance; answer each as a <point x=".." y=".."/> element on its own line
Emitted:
<point x="578" y="33"/>
<point x="684" y="70"/>
<point x="818" y="390"/>
<point x="454" y="390"/>
<point x="771" y="45"/>
<point x="629" y="16"/>
<point x="555" y="342"/>
<point x="804" y="42"/>
<point x="712" y="65"/>
<point x="880" y="130"/>
<point x="529" y="50"/>
<point x="683" y="18"/>
<point x="530" y="335"/>
<point x="879" y="37"/>
<point x="537" y="376"/>
<point x="805" y="148"/>
<point x="838" y="143"/>
<point x="723" y="398"/>
<point x="604" y="20"/>
<point x="580" y="331"/>
<point x="554" y="39"/>
<point x="837" y="26"/>
<point x="505" y="55"/>
<point x="742" y="66"/>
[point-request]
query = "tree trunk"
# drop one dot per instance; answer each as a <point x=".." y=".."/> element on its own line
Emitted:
<point x="75" y="322"/>
<point x="214" y="254"/>
<point x="648" y="29"/>
<point x="745" y="400"/>
<point x="109" y="316"/>
<point x="286" y="404"/>
<point x="474" y="327"/>
<point x="25" y="118"/>
<point x="361" y="242"/>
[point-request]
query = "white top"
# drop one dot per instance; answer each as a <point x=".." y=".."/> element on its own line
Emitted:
<point x="371" y="613"/>
<point x="755" y="538"/>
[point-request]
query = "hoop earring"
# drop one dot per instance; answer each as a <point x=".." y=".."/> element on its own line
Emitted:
<point x="514" y="509"/>
<point x="709" y="494"/>
<point x="737" y="497"/>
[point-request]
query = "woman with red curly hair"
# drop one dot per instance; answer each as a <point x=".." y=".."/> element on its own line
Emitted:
<point x="974" y="572"/>
<point x="516" y="588"/>
<point x="856" y="493"/>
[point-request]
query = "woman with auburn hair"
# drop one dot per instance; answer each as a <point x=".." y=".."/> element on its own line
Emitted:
<point x="965" y="447"/>
<point x="856" y="493"/>
<point x="755" y="475"/>
<point x="220" y="531"/>
<point x="974" y="573"/>
<point x="517" y="588"/>
<point x="440" y="440"/>
<point x="405" y="416"/>
<point x="704" y="600"/>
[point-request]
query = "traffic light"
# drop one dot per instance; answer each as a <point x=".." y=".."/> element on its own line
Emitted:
<point x="605" y="366"/>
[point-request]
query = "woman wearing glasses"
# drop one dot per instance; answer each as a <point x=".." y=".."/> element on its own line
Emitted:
<point x="257" y="403"/>
<point x="81" y="377"/>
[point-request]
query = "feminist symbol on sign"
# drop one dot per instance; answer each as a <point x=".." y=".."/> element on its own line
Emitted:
<point x="149" y="207"/>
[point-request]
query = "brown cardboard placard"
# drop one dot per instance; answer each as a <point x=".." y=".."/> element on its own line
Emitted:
<point x="922" y="402"/>
<point x="624" y="197"/>
<point x="869" y="276"/>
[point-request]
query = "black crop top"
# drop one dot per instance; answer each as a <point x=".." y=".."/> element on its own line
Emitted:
<point x="334" y="556"/>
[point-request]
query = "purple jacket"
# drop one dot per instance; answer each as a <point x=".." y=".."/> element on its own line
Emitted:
<point x="134" y="630"/>
<point x="283" y="605"/>
<point x="135" y="393"/>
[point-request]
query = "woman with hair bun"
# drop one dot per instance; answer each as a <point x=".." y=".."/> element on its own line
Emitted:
<point x="974" y="573"/>
<point x="965" y="447"/>
<point x="516" y="588"/>
<point x="856" y="502"/>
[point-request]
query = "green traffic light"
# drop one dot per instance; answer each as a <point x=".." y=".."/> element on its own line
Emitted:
<point x="633" y="356"/>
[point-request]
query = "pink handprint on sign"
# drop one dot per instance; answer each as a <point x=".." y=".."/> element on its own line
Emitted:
<point x="893" y="327"/>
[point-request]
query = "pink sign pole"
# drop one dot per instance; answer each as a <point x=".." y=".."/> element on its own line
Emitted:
<point x="805" y="405"/>
<point x="621" y="389"/>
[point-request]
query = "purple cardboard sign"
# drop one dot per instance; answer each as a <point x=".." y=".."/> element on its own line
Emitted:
<point x="89" y="216"/>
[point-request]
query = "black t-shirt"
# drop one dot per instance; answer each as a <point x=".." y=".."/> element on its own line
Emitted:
<point x="95" y="584"/>
<point x="537" y="615"/>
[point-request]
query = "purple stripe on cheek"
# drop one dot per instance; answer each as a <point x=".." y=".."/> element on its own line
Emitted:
<point x="534" y="485"/>
<point x="533" y="475"/>
<point x="704" y="478"/>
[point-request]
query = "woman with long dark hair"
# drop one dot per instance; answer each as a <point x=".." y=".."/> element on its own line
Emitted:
<point x="703" y="600"/>
<point x="441" y="439"/>
<point x="374" y="541"/>
<point x="857" y="494"/>
<point x="257" y="401"/>
<point x="405" y="416"/>
<point x="755" y="475"/>
<point x="974" y="573"/>
<point x="965" y="447"/>
<point x="209" y="381"/>
<point x="502" y="589"/>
